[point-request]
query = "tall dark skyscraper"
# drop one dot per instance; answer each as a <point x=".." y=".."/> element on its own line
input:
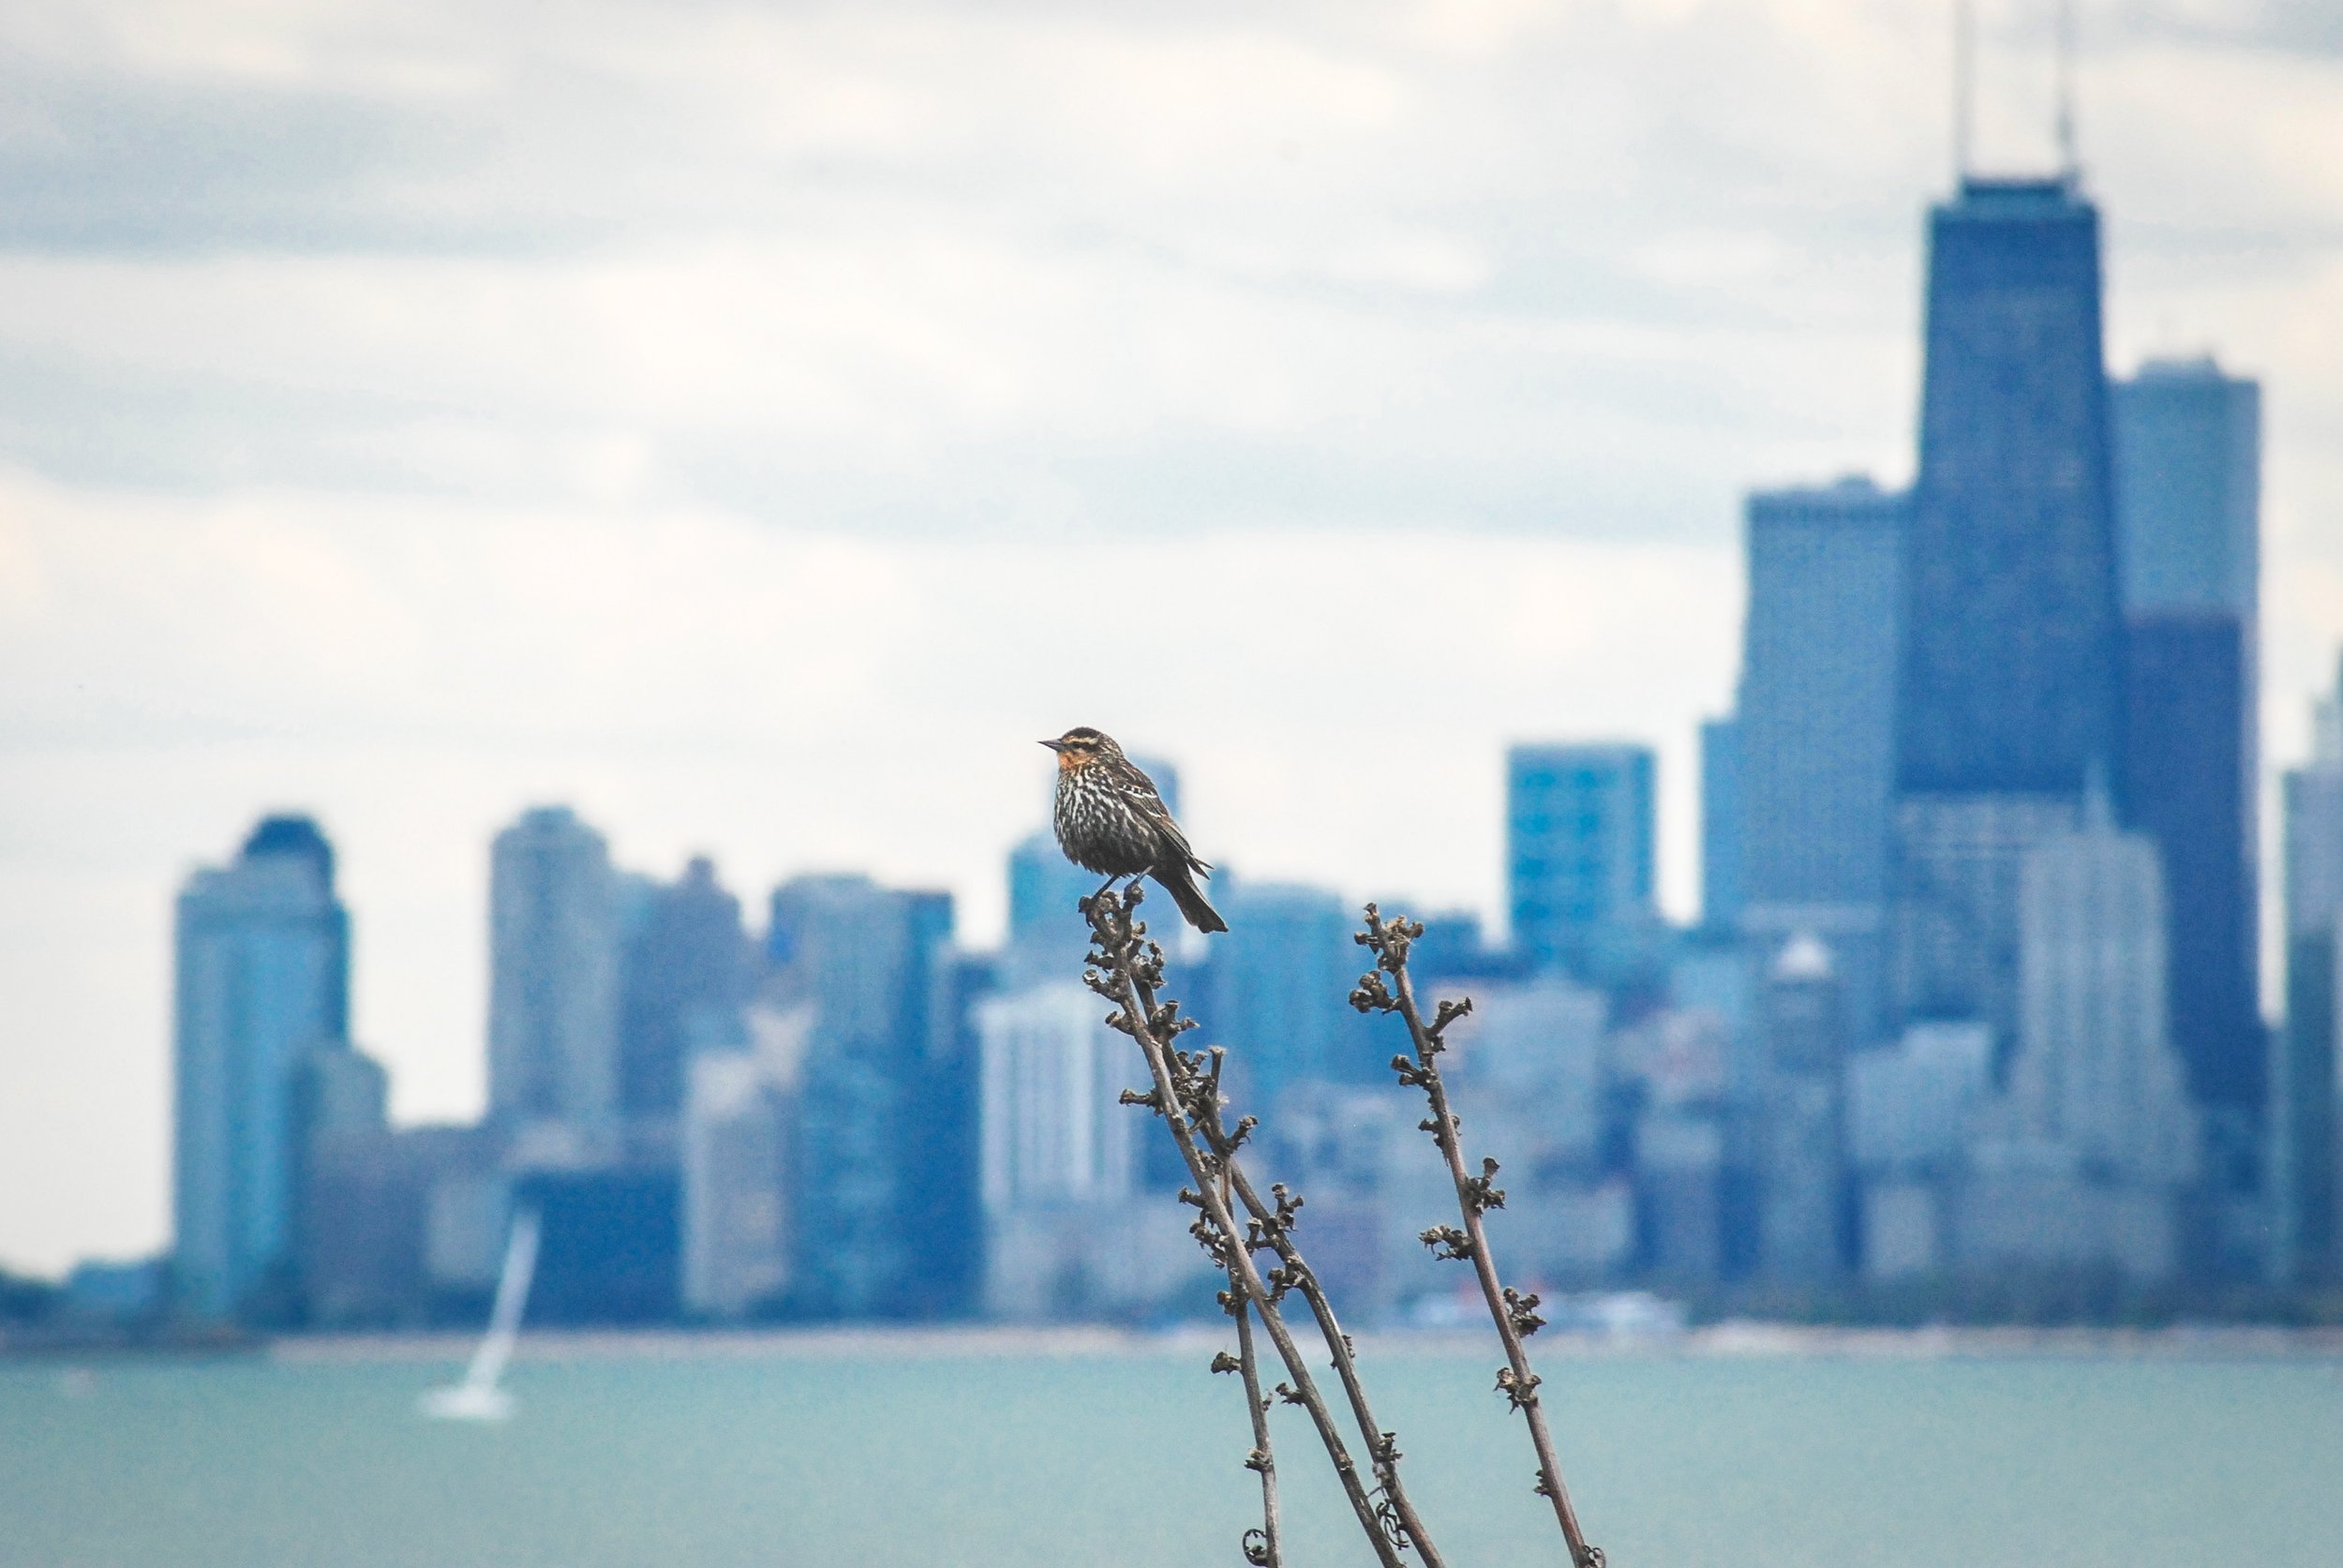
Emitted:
<point x="2012" y="651"/>
<point x="2187" y="444"/>
<point x="2011" y="689"/>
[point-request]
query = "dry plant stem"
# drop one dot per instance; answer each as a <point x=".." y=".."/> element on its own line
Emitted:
<point x="1525" y="1381"/>
<point x="1263" y="1458"/>
<point x="1121" y="948"/>
<point x="1382" y="1445"/>
<point x="1255" y="1290"/>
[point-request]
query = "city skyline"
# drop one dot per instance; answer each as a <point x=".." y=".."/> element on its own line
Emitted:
<point x="2005" y="804"/>
<point x="326" y="634"/>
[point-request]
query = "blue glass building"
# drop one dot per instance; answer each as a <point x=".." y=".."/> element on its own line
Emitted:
<point x="554" y="943"/>
<point x="2188" y="443"/>
<point x="885" y="1174"/>
<point x="1817" y="725"/>
<point x="1579" y="858"/>
<point x="2012" y="643"/>
<point x="1280" y="983"/>
<point x="2011" y="694"/>
<point x="1720" y="823"/>
<point x="686" y="972"/>
<point x="261" y="952"/>
<point x="2306" y="1176"/>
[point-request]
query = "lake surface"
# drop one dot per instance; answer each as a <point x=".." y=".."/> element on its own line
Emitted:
<point x="930" y="1457"/>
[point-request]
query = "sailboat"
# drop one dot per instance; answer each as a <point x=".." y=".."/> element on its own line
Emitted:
<point x="480" y="1395"/>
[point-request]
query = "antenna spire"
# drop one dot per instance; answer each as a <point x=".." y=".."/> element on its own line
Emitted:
<point x="1964" y="87"/>
<point x="2069" y="163"/>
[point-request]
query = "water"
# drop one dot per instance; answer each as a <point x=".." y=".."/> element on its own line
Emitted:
<point x="929" y="1459"/>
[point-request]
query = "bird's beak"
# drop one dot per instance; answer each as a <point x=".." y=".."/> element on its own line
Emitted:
<point x="1054" y="745"/>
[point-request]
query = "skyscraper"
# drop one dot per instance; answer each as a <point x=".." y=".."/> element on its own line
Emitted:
<point x="1817" y="725"/>
<point x="2079" y="1165"/>
<point x="553" y="982"/>
<point x="262" y="980"/>
<point x="685" y="974"/>
<point x="1055" y="1130"/>
<point x="1721" y="823"/>
<point x="356" y="1235"/>
<point x="2096" y="1073"/>
<point x="885" y="1178"/>
<point x="2011" y="690"/>
<point x="1280" y="983"/>
<point x="1804" y="1213"/>
<point x="1067" y="1232"/>
<point x="2314" y="822"/>
<point x="735" y="1164"/>
<point x="1579" y="851"/>
<point x="2187" y="444"/>
<point x="2303" y="1154"/>
<point x="1046" y="937"/>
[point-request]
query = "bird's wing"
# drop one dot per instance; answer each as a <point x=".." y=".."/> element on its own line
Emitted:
<point x="1139" y="790"/>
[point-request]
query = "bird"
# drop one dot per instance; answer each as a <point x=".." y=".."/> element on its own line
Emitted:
<point x="1110" y="819"/>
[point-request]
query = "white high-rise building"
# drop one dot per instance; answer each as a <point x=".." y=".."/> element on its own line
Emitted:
<point x="1054" y="1131"/>
<point x="2096" y="1072"/>
<point x="736" y="1167"/>
<point x="553" y="988"/>
<point x="2079" y="1165"/>
<point x="1065" y="1231"/>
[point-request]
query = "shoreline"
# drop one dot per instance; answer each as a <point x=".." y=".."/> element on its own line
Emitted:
<point x="1732" y="1340"/>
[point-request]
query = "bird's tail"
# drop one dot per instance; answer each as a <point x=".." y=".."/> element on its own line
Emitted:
<point x="1181" y="884"/>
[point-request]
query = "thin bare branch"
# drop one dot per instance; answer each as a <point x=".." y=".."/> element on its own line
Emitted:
<point x="1271" y="1227"/>
<point x="1275" y="1223"/>
<point x="1513" y="1314"/>
<point x="1262" y="1550"/>
<point x="1128" y="969"/>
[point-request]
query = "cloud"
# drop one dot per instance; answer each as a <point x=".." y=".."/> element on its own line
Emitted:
<point x="1583" y="269"/>
<point x="937" y="267"/>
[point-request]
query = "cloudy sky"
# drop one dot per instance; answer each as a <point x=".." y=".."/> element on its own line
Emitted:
<point x="756" y="425"/>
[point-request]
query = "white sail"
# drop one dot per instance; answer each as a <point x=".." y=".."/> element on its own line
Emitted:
<point x="479" y="1398"/>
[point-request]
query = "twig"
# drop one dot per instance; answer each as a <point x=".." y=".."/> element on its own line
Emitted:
<point x="1127" y="970"/>
<point x="1273" y="1224"/>
<point x="1260" y="1545"/>
<point x="1271" y="1227"/>
<point x="1514" y="1315"/>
